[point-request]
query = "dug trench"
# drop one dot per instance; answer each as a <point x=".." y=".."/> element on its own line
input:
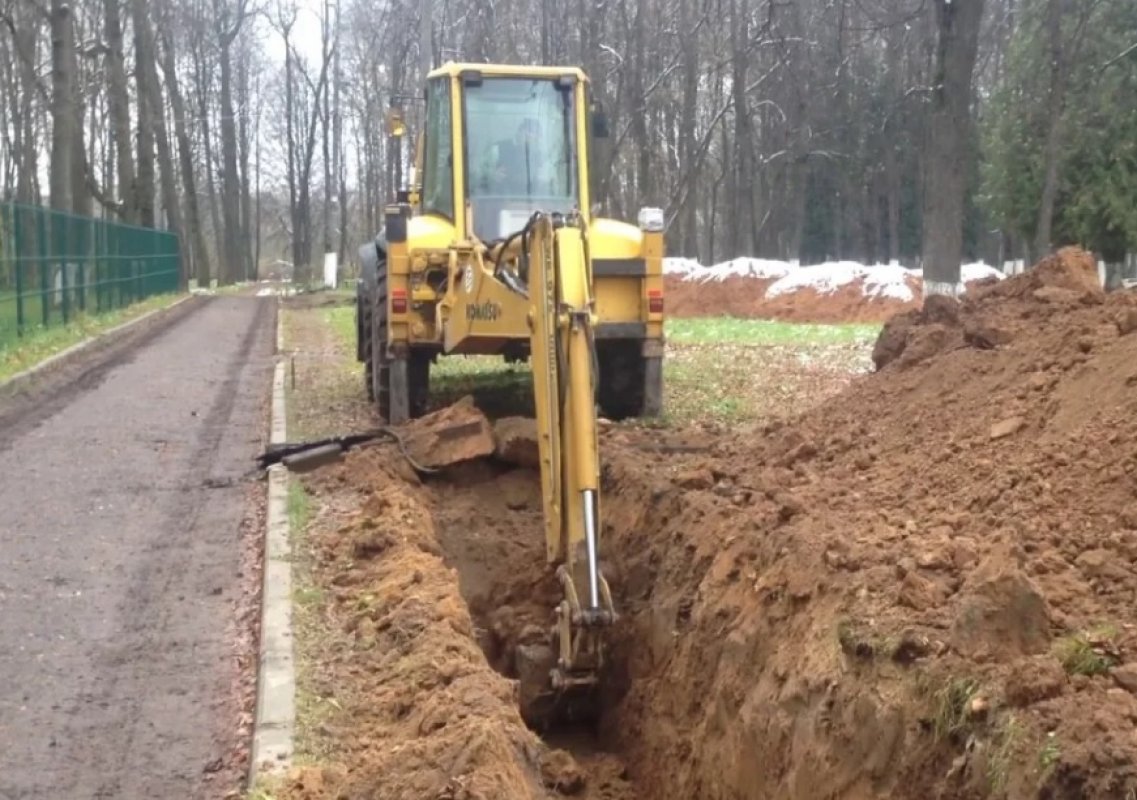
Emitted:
<point x="924" y="587"/>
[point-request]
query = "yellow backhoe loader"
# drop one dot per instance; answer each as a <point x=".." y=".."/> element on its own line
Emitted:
<point x="494" y="249"/>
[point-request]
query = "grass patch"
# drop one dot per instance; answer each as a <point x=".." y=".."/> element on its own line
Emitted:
<point x="1087" y="652"/>
<point x="859" y="643"/>
<point x="716" y="369"/>
<point x="1049" y="753"/>
<point x="341" y="321"/>
<point x="299" y="507"/>
<point x="38" y="344"/>
<point x="264" y="788"/>
<point x="1005" y="746"/>
<point x="953" y="707"/>
<point x="761" y="332"/>
<point x="311" y="634"/>
<point x="499" y="389"/>
<point x="324" y="389"/>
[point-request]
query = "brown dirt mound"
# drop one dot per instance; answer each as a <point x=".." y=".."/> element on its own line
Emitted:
<point x="923" y="588"/>
<point x="746" y="297"/>
<point x="736" y="297"/>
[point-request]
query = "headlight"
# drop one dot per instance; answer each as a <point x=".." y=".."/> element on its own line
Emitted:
<point x="651" y="220"/>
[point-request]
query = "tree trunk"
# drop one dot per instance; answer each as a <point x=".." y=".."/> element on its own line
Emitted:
<point x="688" y="234"/>
<point x="143" y="76"/>
<point x="147" y="69"/>
<point x="64" y="120"/>
<point x="1055" y="109"/>
<point x="243" y="148"/>
<point x="949" y="146"/>
<point x="230" y="183"/>
<point x="200" y="253"/>
<point x="119" y="105"/>
<point x="290" y="136"/>
<point x="26" y="41"/>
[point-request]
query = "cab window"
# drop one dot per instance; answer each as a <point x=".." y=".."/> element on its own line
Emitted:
<point x="438" y="171"/>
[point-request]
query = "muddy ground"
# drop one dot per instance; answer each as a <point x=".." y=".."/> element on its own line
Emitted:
<point x="923" y="587"/>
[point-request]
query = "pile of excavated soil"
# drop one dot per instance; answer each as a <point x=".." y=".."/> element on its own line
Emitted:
<point x="924" y="587"/>
<point x="740" y="296"/>
<point x="735" y="296"/>
<point x="430" y="584"/>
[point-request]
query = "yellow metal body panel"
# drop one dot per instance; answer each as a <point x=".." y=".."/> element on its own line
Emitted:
<point x="609" y="238"/>
<point x="430" y="232"/>
<point x="453" y="69"/>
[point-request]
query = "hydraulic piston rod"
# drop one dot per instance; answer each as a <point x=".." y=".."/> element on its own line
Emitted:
<point x="590" y="543"/>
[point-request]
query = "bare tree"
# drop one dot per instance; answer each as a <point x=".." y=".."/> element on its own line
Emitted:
<point x="950" y="142"/>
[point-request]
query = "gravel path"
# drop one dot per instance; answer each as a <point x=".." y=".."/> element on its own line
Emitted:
<point x="121" y="516"/>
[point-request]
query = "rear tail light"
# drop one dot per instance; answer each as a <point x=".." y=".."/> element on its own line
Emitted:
<point x="655" y="302"/>
<point x="398" y="301"/>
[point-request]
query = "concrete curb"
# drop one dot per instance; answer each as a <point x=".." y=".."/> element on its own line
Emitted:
<point x="76" y="349"/>
<point x="276" y="676"/>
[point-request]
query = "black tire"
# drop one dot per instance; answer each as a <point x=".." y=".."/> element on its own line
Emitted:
<point x="363" y="342"/>
<point x="631" y="384"/>
<point x="397" y="400"/>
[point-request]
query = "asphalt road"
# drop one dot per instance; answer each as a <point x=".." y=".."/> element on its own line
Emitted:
<point x="121" y="508"/>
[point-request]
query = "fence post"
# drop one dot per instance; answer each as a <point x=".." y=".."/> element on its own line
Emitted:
<point x="64" y="284"/>
<point x="18" y="261"/>
<point x="41" y="259"/>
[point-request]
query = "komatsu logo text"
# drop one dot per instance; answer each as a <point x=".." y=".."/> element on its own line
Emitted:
<point x="485" y="312"/>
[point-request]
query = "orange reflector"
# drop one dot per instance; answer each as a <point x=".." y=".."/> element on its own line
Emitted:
<point x="398" y="301"/>
<point x="655" y="302"/>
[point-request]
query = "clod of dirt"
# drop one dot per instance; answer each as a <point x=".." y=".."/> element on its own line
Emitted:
<point x="1126" y="677"/>
<point x="1007" y="427"/>
<point x="1033" y="680"/>
<point x="1000" y="611"/>
<point x="1127" y="322"/>
<point x="516" y="441"/>
<point x="559" y="771"/>
<point x="457" y="433"/>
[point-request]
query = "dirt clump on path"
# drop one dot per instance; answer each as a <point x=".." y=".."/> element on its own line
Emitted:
<point x="925" y="587"/>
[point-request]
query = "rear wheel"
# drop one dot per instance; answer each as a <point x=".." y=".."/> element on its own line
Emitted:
<point x="400" y="386"/>
<point x="631" y="384"/>
<point x="363" y="342"/>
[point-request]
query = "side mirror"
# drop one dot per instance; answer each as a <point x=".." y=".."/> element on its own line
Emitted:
<point x="599" y="124"/>
<point x="395" y="125"/>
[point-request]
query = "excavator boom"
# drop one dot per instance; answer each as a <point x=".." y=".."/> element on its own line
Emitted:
<point x="562" y="352"/>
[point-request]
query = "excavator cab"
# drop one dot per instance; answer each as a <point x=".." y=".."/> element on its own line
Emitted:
<point x="497" y="252"/>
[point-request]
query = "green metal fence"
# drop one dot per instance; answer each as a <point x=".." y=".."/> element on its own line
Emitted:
<point x="55" y="267"/>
